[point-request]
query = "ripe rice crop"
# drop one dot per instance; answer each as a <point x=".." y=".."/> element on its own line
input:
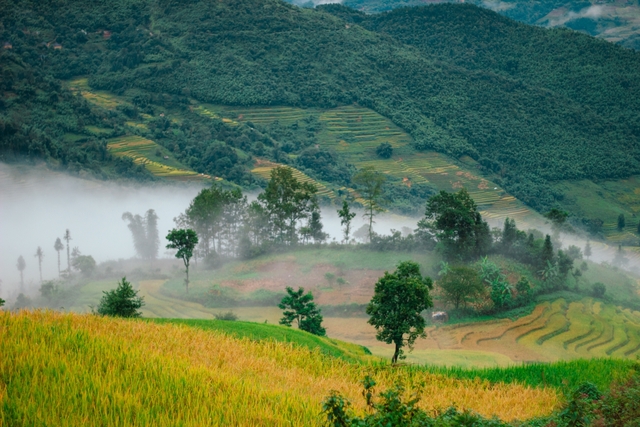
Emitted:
<point x="71" y="369"/>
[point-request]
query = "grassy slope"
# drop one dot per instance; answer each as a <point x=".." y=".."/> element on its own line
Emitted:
<point x="259" y="332"/>
<point x="67" y="369"/>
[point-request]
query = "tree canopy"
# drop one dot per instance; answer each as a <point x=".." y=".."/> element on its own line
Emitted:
<point x="395" y="309"/>
<point x="299" y="307"/>
<point x="121" y="302"/>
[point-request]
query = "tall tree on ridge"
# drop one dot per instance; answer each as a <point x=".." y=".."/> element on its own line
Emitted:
<point x="185" y="242"/>
<point x="67" y="237"/>
<point x="58" y="246"/>
<point x="370" y="182"/>
<point x="21" y="266"/>
<point x="39" y="254"/>
<point x="345" y="219"/>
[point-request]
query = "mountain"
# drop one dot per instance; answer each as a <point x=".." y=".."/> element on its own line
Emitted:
<point x="617" y="22"/>
<point x="532" y="106"/>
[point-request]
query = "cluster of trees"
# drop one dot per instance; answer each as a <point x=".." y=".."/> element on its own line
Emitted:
<point x="228" y="226"/>
<point x="576" y="93"/>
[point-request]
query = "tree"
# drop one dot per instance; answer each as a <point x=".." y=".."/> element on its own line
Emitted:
<point x="21" y="266"/>
<point x="121" y="302"/>
<point x="2" y="302"/>
<point x="345" y="219"/>
<point x="370" y="184"/>
<point x="458" y="225"/>
<point x="58" y="246"/>
<point x="39" y="254"/>
<point x="509" y="234"/>
<point x="587" y="250"/>
<point x="315" y="227"/>
<point x="557" y="217"/>
<point x="184" y="241"/>
<point x="384" y="150"/>
<point x="299" y="307"/>
<point x="460" y="285"/>
<point x="621" y="222"/>
<point x="546" y="255"/>
<point x="67" y="237"/>
<point x="598" y="289"/>
<point x="85" y="264"/>
<point x="144" y="232"/>
<point x="287" y="202"/>
<point x="395" y="309"/>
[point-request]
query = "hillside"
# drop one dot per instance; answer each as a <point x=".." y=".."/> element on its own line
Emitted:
<point x="615" y="22"/>
<point x="83" y="369"/>
<point x="530" y="106"/>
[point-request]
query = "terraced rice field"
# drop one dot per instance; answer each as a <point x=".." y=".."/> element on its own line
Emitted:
<point x="141" y="150"/>
<point x="355" y="132"/>
<point x="554" y="331"/>
<point x="263" y="169"/>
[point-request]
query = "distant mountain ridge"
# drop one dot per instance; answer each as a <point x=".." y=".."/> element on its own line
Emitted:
<point x="617" y="22"/>
<point x="532" y="106"/>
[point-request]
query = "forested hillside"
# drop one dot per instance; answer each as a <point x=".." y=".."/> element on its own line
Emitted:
<point x="616" y="22"/>
<point x="532" y="106"/>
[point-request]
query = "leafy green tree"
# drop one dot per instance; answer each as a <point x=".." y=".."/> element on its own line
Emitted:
<point x="598" y="289"/>
<point x="185" y="242"/>
<point x="509" y="234"/>
<point x="621" y="222"/>
<point x="2" y="302"/>
<point x="315" y="227"/>
<point x="21" y="265"/>
<point x="384" y="150"/>
<point x="299" y="307"/>
<point x="121" y="302"/>
<point x="58" y="246"/>
<point x="500" y="288"/>
<point x="85" y="264"/>
<point x="22" y="301"/>
<point x="587" y="250"/>
<point x="395" y="309"/>
<point x="524" y="289"/>
<point x="557" y="217"/>
<point x="458" y="225"/>
<point x="546" y="256"/>
<point x="345" y="219"/>
<point x="460" y="285"/>
<point x="287" y="202"/>
<point x="370" y="182"/>
<point x="39" y="254"/>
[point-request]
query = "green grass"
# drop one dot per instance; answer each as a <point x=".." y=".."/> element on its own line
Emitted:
<point x="563" y="375"/>
<point x="260" y="332"/>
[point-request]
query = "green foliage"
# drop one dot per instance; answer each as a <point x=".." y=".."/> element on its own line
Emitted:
<point x="85" y="264"/>
<point x="299" y="307"/>
<point x="460" y="286"/>
<point x="394" y="408"/>
<point x="2" y="302"/>
<point x="598" y="289"/>
<point x="370" y="182"/>
<point x="22" y="301"/>
<point x="384" y="150"/>
<point x="121" y="302"/>
<point x="569" y="87"/>
<point x="621" y="222"/>
<point x="457" y="224"/>
<point x="229" y="315"/>
<point x="185" y="242"/>
<point x="345" y="219"/>
<point x="395" y="309"/>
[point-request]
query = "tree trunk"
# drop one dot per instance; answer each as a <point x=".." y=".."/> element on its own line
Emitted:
<point x="394" y="359"/>
<point x="58" y="263"/>
<point x="21" y="282"/>
<point x="40" y="268"/>
<point x="68" y="260"/>
<point x="187" y="281"/>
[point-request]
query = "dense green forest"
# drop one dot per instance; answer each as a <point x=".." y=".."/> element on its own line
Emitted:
<point x="616" y="22"/>
<point x="531" y="105"/>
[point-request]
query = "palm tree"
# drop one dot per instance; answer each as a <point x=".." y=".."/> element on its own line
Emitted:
<point x="58" y="246"/>
<point x="67" y="237"/>
<point x="39" y="254"/>
<point x="21" y="266"/>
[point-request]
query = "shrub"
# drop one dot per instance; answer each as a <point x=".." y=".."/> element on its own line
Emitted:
<point x="384" y="150"/>
<point x="598" y="290"/>
<point x="121" y="302"/>
<point x="229" y="315"/>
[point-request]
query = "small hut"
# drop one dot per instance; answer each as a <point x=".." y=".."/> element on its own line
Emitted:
<point x="57" y="46"/>
<point x="7" y="45"/>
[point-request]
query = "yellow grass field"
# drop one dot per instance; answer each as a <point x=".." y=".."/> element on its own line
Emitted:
<point x="71" y="369"/>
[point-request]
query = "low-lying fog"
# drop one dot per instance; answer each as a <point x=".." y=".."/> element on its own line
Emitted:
<point x="37" y="206"/>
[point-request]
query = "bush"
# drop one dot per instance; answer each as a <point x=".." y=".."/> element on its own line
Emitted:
<point x="229" y="315"/>
<point x="384" y="150"/>
<point x="121" y="302"/>
<point x="598" y="290"/>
